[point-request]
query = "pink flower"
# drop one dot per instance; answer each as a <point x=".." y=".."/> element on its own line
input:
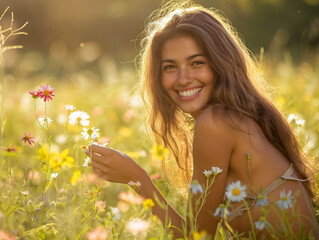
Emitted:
<point x="130" y="197"/>
<point x="10" y="148"/>
<point x="7" y="236"/>
<point x="34" y="176"/>
<point x="98" y="233"/>
<point x="28" y="138"/>
<point x="100" y="206"/>
<point x="134" y="184"/>
<point x="34" y="94"/>
<point x="45" y="92"/>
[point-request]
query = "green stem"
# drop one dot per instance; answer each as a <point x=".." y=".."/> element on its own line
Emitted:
<point x="10" y="175"/>
<point x="250" y="220"/>
<point x="203" y="197"/>
<point x="67" y="130"/>
<point x="35" y="112"/>
<point x="1" y="98"/>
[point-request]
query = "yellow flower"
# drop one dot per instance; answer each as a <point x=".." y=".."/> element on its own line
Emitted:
<point x="159" y="152"/>
<point x="55" y="162"/>
<point x="199" y="236"/>
<point x="67" y="161"/>
<point x="76" y="176"/>
<point x="60" y="160"/>
<point x="148" y="203"/>
<point x="43" y="152"/>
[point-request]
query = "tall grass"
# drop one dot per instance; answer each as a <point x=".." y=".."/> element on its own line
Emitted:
<point x="47" y="188"/>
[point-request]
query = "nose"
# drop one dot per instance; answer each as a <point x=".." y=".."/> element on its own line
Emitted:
<point x="184" y="77"/>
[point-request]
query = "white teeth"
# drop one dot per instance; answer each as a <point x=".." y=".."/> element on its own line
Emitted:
<point x="189" y="93"/>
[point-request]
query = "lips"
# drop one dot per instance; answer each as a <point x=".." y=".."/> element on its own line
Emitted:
<point x="190" y="92"/>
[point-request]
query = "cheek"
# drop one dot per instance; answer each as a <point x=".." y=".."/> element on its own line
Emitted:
<point x="167" y="82"/>
<point x="209" y="79"/>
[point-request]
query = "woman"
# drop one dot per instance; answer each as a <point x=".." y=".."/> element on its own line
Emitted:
<point x="194" y="65"/>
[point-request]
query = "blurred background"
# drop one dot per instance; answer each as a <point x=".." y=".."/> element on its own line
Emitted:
<point x="86" y="49"/>
<point x="101" y="35"/>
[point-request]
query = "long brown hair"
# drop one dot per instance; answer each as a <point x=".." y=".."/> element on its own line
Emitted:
<point x="237" y="87"/>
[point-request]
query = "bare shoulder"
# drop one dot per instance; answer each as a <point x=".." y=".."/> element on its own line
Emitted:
<point x="216" y="120"/>
<point x="214" y="139"/>
<point x="213" y="147"/>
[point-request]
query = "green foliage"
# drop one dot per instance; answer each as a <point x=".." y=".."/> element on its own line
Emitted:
<point x="74" y="205"/>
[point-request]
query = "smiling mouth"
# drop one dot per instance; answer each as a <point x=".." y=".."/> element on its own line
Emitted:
<point x="190" y="92"/>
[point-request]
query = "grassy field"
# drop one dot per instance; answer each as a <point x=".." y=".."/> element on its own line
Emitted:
<point x="47" y="187"/>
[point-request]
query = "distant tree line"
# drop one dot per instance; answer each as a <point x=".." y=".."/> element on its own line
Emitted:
<point x="116" y="24"/>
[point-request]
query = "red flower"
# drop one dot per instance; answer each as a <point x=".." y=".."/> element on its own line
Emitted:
<point x="10" y="148"/>
<point x="45" y="92"/>
<point x="34" y="94"/>
<point x="28" y="138"/>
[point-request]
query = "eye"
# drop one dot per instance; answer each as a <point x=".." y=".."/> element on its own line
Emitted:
<point x="197" y="63"/>
<point x="168" y="67"/>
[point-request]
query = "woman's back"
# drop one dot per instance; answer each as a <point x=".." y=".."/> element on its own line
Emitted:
<point x="256" y="163"/>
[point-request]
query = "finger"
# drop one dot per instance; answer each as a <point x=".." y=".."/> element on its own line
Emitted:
<point x="99" y="167"/>
<point x="98" y="173"/>
<point x="90" y="154"/>
<point x="98" y="149"/>
<point x="98" y="158"/>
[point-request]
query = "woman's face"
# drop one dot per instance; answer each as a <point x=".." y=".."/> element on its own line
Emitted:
<point x="186" y="74"/>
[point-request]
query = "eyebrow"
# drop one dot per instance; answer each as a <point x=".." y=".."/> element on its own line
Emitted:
<point x="189" y="58"/>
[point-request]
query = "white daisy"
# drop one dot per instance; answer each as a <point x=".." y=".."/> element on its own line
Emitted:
<point x="216" y="170"/>
<point x="87" y="162"/>
<point x="221" y="211"/>
<point x="91" y="133"/>
<point x="285" y="201"/>
<point x="53" y="176"/>
<point x="45" y="121"/>
<point x="300" y="122"/>
<point x="134" y="184"/>
<point x="293" y="118"/>
<point x="261" y="200"/>
<point x="115" y="213"/>
<point x="261" y="223"/>
<point x="69" y="107"/>
<point x="196" y="187"/>
<point x="208" y="173"/>
<point x="235" y="192"/>
<point x="24" y="193"/>
<point x="79" y="118"/>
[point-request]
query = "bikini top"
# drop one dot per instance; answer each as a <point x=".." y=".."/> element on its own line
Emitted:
<point x="252" y="198"/>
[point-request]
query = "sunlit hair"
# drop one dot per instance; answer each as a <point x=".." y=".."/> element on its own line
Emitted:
<point x="237" y="85"/>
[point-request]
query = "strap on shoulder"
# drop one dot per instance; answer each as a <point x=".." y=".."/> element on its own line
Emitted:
<point x="275" y="184"/>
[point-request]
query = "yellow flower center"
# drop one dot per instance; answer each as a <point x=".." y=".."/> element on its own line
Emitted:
<point x="236" y="191"/>
<point x="46" y="92"/>
<point x="284" y="198"/>
<point x="90" y="131"/>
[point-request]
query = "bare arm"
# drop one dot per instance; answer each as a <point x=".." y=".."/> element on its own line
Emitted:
<point x="213" y="146"/>
<point x="114" y="166"/>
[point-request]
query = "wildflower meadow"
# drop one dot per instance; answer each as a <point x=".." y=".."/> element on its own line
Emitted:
<point x="48" y="189"/>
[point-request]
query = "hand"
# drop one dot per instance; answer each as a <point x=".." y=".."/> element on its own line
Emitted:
<point x="112" y="165"/>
